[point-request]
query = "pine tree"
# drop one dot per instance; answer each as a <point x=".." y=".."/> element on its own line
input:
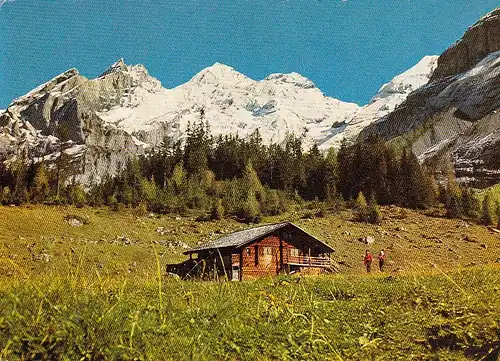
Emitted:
<point x="5" y="196"/>
<point x="453" y="203"/>
<point x="178" y="178"/>
<point x="361" y="207"/>
<point x="250" y="209"/>
<point x="488" y="210"/>
<point x="419" y="191"/>
<point x="148" y="191"/>
<point x="198" y="147"/>
<point x="40" y="187"/>
<point x="252" y="182"/>
<point x="373" y="211"/>
<point x="113" y="202"/>
<point x="394" y="177"/>
<point x="346" y="165"/>
<point x="78" y="196"/>
<point x="471" y="205"/>
<point x="217" y="210"/>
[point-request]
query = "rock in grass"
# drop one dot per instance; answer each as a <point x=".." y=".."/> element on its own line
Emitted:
<point x="367" y="240"/>
<point x="43" y="257"/>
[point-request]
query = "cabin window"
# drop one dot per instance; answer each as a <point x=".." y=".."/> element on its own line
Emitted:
<point x="249" y="251"/>
<point x="267" y="251"/>
<point x="294" y="252"/>
<point x="256" y="255"/>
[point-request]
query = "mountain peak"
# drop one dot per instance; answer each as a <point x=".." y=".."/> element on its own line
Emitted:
<point x="492" y="14"/>
<point x="291" y="78"/>
<point x="46" y="87"/>
<point x="478" y="41"/>
<point x="117" y="66"/>
<point x="410" y="80"/>
<point x="217" y="73"/>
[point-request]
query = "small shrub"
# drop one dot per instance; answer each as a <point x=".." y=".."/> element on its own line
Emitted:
<point x="374" y="214"/>
<point x="141" y="210"/>
<point x="113" y="202"/>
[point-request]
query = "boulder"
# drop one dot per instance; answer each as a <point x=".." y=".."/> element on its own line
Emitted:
<point x="367" y="240"/>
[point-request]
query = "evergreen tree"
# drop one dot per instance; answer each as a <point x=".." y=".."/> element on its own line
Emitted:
<point x="471" y="205"/>
<point x="149" y="192"/>
<point x="250" y="209"/>
<point x="20" y="193"/>
<point x="178" y="178"/>
<point x="488" y="216"/>
<point x="394" y="177"/>
<point x="198" y="147"/>
<point x="373" y="211"/>
<point x="217" y="210"/>
<point x="112" y="202"/>
<point x="361" y="208"/>
<point x="5" y="196"/>
<point x="77" y="196"/>
<point x="40" y="186"/>
<point x="418" y="188"/>
<point x="346" y="175"/>
<point x="252" y="182"/>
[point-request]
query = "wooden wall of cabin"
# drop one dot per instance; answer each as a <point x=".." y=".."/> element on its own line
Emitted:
<point x="264" y="258"/>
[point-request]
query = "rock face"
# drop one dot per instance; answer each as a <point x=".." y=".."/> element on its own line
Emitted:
<point x="481" y="39"/>
<point x="58" y="123"/>
<point x="385" y="101"/>
<point x="455" y="114"/>
<point x="88" y="129"/>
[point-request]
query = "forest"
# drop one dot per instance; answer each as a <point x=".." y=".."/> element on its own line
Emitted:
<point x="243" y="178"/>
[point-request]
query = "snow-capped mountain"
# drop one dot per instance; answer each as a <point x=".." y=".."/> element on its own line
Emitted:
<point x="89" y="128"/>
<point x="231" y="103"/>
<point x="385" y="101"/>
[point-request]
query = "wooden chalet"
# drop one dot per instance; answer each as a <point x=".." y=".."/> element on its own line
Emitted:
<point x="257" y="252"/>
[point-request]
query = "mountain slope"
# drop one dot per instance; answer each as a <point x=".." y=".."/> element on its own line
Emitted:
<point x="456" y="113"/>
<point x="385" y="101"/>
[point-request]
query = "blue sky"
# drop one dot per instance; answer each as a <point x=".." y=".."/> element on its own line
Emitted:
<point x="348" y="48"/>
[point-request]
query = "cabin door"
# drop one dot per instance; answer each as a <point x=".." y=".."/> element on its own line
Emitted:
<point x="235" y="273"/>
<point x="235" y="266"/>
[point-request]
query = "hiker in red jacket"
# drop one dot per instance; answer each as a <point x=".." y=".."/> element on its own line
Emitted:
<point x="381" y="260"/>
<point x="368" y="261"/>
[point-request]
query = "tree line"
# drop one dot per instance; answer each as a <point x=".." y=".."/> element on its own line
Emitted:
<point x="229" y="175"/>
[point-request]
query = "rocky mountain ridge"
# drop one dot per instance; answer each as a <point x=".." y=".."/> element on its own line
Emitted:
<point x="456" y="114"/>
<point x="89" y="128"/>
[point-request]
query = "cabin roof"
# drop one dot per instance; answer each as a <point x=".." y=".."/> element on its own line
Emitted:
<point x="246" y="236"/>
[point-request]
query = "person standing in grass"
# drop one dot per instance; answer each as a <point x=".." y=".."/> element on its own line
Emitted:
<point x="381" y="260"/>
<point x="368" y="261"/>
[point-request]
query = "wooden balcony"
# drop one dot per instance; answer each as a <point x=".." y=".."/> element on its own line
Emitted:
<point x="308" y="261"/>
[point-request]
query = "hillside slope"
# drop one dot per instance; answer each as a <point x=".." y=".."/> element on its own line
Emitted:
<point x="413" y="240"/>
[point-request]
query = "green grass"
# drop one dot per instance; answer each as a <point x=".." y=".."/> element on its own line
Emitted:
<point x="97" y="298"/>
<point x="435" y="316"/>
<point x="414" y="241"/>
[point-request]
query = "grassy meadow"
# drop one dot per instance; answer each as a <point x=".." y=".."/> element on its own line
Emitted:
<point x="98" y="291"/>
